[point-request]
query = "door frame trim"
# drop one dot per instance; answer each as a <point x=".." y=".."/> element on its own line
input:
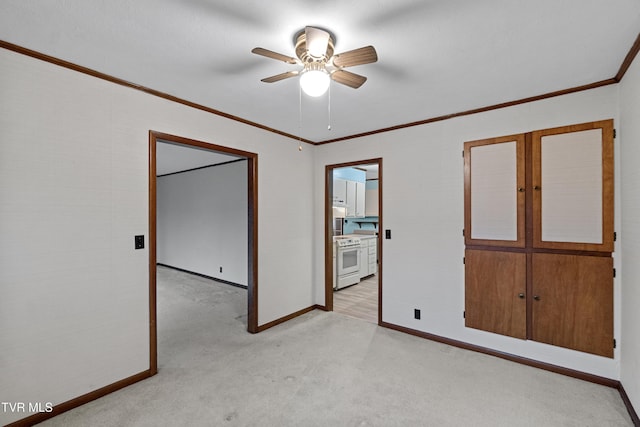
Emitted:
<point x="252" y="216"/>
<point x="328" y="231"/>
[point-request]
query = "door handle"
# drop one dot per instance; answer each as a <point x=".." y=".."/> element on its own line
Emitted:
<point x="520" y="189"/>
<point x="521" y="295"/>
<point x="536" y="297"/>
<point x="536" y="187"/>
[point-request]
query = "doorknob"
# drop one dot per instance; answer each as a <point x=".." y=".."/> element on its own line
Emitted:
<point x="536" y="187"/>
<point x="536" y="297"/>
<point x="521" y="295"/>
<point x="521" y="190"/>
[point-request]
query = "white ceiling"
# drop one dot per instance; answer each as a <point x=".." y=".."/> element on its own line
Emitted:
<point x="436" y="57"/>
<point x="172" y="158"/>
<point x="371" y="170"/>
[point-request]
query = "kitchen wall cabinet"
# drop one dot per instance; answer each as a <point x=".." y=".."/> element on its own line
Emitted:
<point x="539" y="236"/>
<point x="349" y="191"/>
<point x="360" y="199"/>
<point x="339" y="192"/>
<point x="355" y="199"/>
<point x="351" y="199"/>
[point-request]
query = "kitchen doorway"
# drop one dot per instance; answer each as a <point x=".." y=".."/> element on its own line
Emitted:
<point x="353" y="245"/>
<point x="251" y="159"/>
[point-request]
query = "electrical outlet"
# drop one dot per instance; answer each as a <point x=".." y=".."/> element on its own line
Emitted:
<point x="416" y="313"/>
<point x="139" y="242"/>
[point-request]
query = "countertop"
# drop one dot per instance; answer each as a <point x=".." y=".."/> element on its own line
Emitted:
<point x="358" y="236"/>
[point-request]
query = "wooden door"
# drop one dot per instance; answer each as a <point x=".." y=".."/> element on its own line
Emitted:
<point x="495" y="291"/>
<point x="573" y="187"/>
<point x="573" y="302"/>
<point x="494" y="191"/>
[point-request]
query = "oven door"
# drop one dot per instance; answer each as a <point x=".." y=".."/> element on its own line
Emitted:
<point x="348" y="260"/>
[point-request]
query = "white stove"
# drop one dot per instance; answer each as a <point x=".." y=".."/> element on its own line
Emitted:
<point x="347" y="261"/>
<point x="347" y="242"/>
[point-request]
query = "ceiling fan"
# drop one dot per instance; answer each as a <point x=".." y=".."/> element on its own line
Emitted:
<point x="314" y="50"/>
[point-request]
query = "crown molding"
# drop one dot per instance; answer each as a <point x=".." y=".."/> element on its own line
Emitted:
<point x="628" y="60"/>
<point x="475" y="111"/>
<point x="121" y="82"/>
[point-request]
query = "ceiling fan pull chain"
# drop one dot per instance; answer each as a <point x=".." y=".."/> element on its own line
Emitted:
<point x="329" y="107"/>
<point x="299" y="118"/>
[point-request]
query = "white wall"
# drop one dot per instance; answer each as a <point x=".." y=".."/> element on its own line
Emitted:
<point x="74" y="192"/>
<point x="202" y="221"/>
<point x="630" y="236"/>
<point x="423" y="206"/>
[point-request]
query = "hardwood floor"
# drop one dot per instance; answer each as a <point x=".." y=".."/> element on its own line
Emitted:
<point x="359" y="301"/>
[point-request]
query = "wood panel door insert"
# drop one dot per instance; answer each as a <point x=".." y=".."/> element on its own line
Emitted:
<point x="573" y="187"/>
<point x="573" y="302"/>
<point x="495" y="291"/>
<point x="494" y="185"/>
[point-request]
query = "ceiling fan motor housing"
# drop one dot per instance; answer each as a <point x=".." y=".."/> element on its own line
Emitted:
<point x="305" y="56"/>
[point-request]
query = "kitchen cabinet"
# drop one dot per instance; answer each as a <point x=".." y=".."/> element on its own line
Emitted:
<point x="539" y="236"/>
<point x="354" y="198"/>
<point x="349" y="191"/>
<point x="373" y="255"/>
<point x="368" y="256"/>
<point x="339" y="192"/>
<point x="364" y="255"/>
<point x="360" y="199"/>
<point x="351" y="199"/>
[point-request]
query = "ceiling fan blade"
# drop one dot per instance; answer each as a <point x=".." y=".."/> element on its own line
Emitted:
<point x="363" y="55"/>
<point x="348" y="78"/>
<point x="279" y="77"/>
<point x="274" y="55"/>
<point x="317" y="41"/>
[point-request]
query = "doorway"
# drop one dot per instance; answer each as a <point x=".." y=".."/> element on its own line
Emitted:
<point x="360" y="294"/>
<point x="252" y="229"/>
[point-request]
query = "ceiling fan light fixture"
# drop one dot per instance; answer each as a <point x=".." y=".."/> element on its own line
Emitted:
<point x="314" y="82"/>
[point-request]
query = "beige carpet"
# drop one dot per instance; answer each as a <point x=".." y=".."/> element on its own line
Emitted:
<point x="326" y="369"/>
